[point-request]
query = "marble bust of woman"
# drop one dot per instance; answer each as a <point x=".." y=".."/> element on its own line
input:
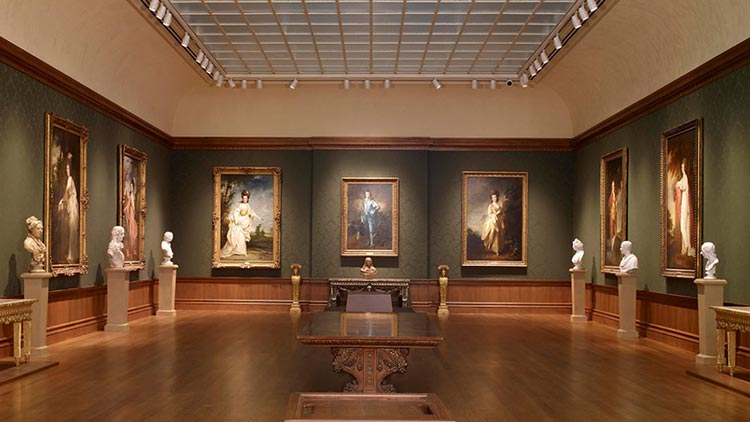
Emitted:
<point x="368" y="270"/>
<point x="34" y="245"/>
<point x="166" y="249"/>
<point x="577" y="259"/>
<point x="708" y="250"/>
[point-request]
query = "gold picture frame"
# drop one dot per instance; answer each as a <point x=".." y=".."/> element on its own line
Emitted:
<point x="247" y="208"/>
<point x="681" y="186"/>
<point x="613" y="208"/>
<point x="131" y="205"/>
<point x="494" y="219"/>
<point x="369" y="225"/>
<point x="66" y="197"/>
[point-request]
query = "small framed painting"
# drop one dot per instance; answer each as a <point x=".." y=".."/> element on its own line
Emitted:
<point x="131" y="207"/>
<point x="613" y="206"/>
<point x="494" y="219"/>
<point x="247" y="217"/>
<point x="369" y="216"/>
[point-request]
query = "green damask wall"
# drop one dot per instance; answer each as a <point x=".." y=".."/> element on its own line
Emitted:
<point x="22" y="173"/>
<point x="724" y="106"/>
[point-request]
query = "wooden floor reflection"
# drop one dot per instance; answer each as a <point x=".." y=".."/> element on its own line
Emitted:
<point x="235" y="366"/>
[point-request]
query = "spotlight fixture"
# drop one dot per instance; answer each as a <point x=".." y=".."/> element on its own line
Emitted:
<point x="532" y="71"/>
<point x="583" y="13"/>
<point x="210" y="68"/>
<point x="220" y="80"/>
<point x="493" y="84"/>
<point x="509" y="83"/>
<point x="524" y="80"/>
<point x="387" y="83"/>
<point x="367" y="84"/>
<point x="185" y="40"/>
<point x="160" y="13"/>
<point x="204" y="63"/>
<point x="436" y="84"/>
<point x="153" y="5"/>
<point x="259" y="84"/>
<point x="474" y="84"/>
<point x="167" y="19"/>
<point x="558" y="43"/>
<point x="199" y="57"/>
<point x="244" y="84"/>
<point x="232" y="83"/>
<point x="576" y="22"/>
<point x="346" y="83"/>
<point x="537" y="65"/>
<point x="592" y="5"/>
<point x="294" y="83"/>
<point x="545" y="57"/>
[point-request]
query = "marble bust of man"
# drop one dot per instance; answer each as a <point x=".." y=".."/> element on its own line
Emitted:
<point x="114" y="250"/>
<point x="577" y="259"/>
<point x="368" y="270"/>
<point x="629" y="262"/>
<point x="34" y="245"/>
<point x="708" y="250"/>
<point x="166" y="249"/>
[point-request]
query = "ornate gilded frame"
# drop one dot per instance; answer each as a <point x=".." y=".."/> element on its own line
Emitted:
<point x="604" y="188"/>
<point x="222" y="197"/>
<point x="141" y="159"/>
<point x="468" y="259"/>
<point x="360" y="184"/>
<point x="54" y="149"/>
<point x="683" y="144"/>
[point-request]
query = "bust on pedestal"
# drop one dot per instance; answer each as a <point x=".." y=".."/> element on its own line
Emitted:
<point x="368" y="270"/>
<point x="36" y="284"/>
<point x="118" y="283"/>
<point x="578" y="284"/>
<point x="167" y="278"/>
<point x="710" y="293"/>
<point x="627" y="279"/>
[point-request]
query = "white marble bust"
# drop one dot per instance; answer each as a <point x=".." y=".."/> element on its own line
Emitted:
<point x="629" y="262"/>
<point x="708" y="250"/>
<point x="577" y="259"/>
<point x="166" y="249"/>
<point x="34" y="245"/>
<point x="114" y="250"/>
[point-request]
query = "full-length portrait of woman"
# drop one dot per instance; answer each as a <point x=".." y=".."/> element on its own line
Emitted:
<point x="68" y="212"/>
<point x="240" y="226"/>
<point x="493" y="228"/>
<point x="129" y="222"/>
<point x="684" y="212"/>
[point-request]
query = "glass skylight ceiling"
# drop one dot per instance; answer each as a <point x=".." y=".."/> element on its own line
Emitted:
<point x="375" y="37"/>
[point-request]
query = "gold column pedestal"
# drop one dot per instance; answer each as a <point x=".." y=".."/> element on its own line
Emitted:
<point x="443" y="284"/>
<point x="296" y="280"/>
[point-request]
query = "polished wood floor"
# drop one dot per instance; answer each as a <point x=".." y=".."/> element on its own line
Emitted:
<point x="235" y="366"/>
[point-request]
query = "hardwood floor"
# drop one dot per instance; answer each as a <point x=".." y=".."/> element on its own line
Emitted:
<point x="236" y="366"/>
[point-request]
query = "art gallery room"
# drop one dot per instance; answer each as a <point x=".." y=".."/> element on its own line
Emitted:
<point x="374" y="210"/>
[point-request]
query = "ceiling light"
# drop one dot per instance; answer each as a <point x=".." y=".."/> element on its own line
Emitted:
<point x="576" y="22"/>
<point x="153" y="5"/>
<point x="537" y="65"/>
<point x="232" y="84"/>
<point x="524" y="80"/>
<point x="199" y="57"/>
<point x="436" y="84"/>
<point x="532" y="71"/>
<point x="185" y="40"/>
<point x="474" y="84"/>
<point x="210" y="68"/>
<point x="493" y="84"/>
<point x="204" y="63"/>
<point x="160" y="13"/>
<point x="216" y="75"/>
<point x="168" y="19"/>
<point x="545" y="58"/>
<point x="387" y="83"/>
<point x="294" y="83"/>
<point x="558" y="43"/>
<point x="220" y="80"/>
<point x="346" y="83"/>
<point x="592" y="5"/>
<point x="244" y="84"/>
<point x="259" y="84"/>
<point x="367" y="84"/>
<point x="583" y="13"/>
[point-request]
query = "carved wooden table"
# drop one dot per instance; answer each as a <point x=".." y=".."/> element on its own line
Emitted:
<point x="370" y="346"/>
<point x="18" y="312"/>
<point x="338" y="286"/>
<point x="729" y="320"/>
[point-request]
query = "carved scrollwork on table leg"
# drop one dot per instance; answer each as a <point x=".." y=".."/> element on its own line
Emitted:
<point x="390" y="361"/>
<point x="349" y="360"/>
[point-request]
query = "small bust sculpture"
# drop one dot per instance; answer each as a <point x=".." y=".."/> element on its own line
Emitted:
<point x="577" y="259"/>
<point x="166" y="249"/>
<point x="708" y="250"/>
<point x="34" y="245"/>
<point x="368" y="270"/>
<point x="114" y="250"/>
<point x="629" y="262"/>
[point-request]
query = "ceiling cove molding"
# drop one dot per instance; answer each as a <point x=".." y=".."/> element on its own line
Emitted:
<point x="27" y="63"/>
<point x="714" y="69"/>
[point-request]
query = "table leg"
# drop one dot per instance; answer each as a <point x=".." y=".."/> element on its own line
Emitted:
<point x="17" y="342"/>
<point x="731" y="350"/>
<point x="721" y="337"/>
<point x="369" y="367"/>
<point x="27" y="340"/>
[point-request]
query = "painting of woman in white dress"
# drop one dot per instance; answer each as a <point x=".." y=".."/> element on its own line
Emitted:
<point x="494" y="219"/>
<point x="681" y="190"/>
<point x="613" y="186"/>
<point x="132" y="204"/>
<point x="247" y="213"/>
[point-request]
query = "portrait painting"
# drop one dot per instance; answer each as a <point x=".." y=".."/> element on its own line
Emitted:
<point x="369" y="216"/>
<point x="247" y="217"/>
<point x="131" y="207"/>
<point x="613" y="203"/>
<point x="681" y="202"/>
<point x="65" y="196"/>
<point x="494" y="219"/>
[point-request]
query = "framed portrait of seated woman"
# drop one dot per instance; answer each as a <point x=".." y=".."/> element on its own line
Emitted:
<point x="681" y="200"/>
<point x="494" y="219"/>
<point x="247" y="217"/>
<point x="65" y="196"/>
<point x="131" y="206"/>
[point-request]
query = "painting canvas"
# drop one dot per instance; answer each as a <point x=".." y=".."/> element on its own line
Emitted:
<point x="681" y="190"/>
<point x="369" y="216"/>
<point x="131" y="210"/>
<point x="65" y="196"/>
<point x="613" y="187"/>
<point x="494" y="219"/>
<point x="247" y="217"/>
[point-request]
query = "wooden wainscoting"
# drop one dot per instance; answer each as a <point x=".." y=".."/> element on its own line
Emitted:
<point x="79" y="311"/>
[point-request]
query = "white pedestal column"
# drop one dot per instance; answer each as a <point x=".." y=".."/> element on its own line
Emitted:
<point x="36" y="286"/>
<point x="167" y="285"/>
<point x="578" y="294"/>
<point x="626" y="283"/>
<point x="710" y="293"/>
<point x="118" y="287"/>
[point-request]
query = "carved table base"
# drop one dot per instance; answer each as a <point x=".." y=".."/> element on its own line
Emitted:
<point x="369" y="366"/>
